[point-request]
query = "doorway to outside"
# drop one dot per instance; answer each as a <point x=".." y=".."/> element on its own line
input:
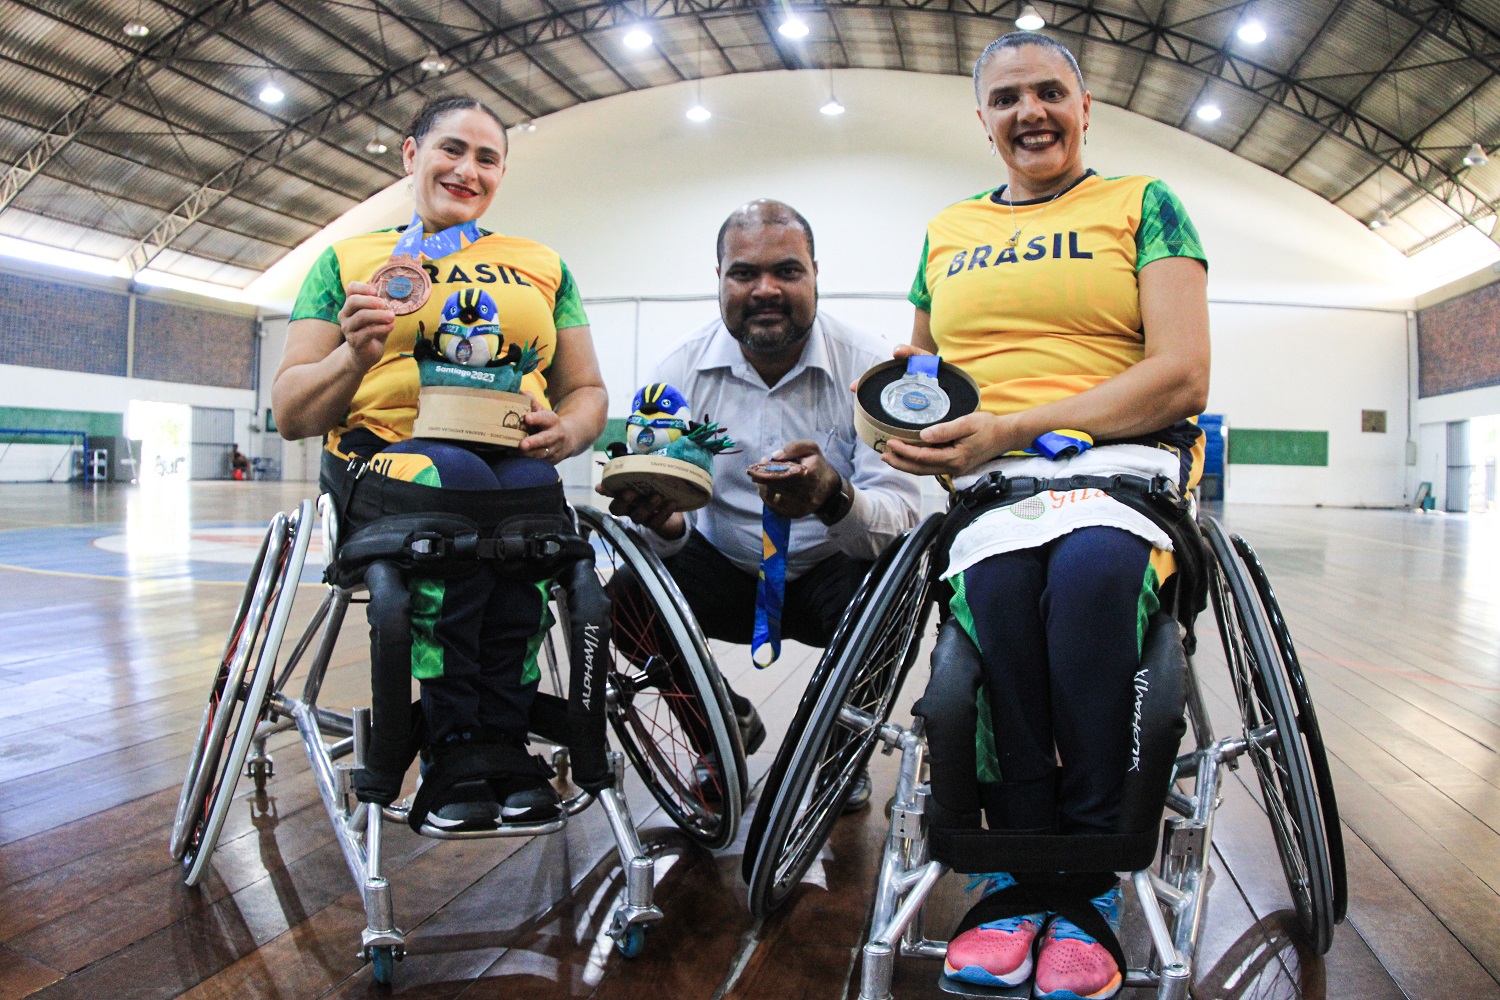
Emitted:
<point x="1484" y="451"/>
<point x="162" y="429"/>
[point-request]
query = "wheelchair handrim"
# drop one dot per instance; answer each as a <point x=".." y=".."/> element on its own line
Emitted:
<point x="669" y="784"/>
<point x="253" y="705"/>
<point x="807" y="800"/>
<point x="209" y="746"/>
<point x="1281" y="765"/>
<point x="1307" y="719"/>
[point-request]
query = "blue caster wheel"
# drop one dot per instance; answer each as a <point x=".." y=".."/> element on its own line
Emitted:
<point x="383" y="962"/>
<point x="632" y="942"/>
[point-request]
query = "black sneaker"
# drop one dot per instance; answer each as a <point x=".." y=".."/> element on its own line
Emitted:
<point x="526" y="799"/>
<point x="752" y="730"/>
<point x="859" y="794"/>
<point x="470" y="806"/>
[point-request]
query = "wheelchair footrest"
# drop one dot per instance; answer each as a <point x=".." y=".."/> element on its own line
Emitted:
<point x="954" y="987"/>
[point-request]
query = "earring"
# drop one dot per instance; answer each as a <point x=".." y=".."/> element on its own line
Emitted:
<point x="992" y="147"/>
<point x="1085" y="135"/>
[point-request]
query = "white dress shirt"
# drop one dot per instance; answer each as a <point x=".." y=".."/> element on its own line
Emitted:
<point x="813" y="402"/>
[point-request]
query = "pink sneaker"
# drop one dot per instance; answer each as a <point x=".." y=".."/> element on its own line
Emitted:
<point x="997" y="953"/>
<point x="1071" y="965"/>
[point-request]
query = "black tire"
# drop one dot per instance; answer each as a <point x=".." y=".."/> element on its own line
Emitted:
<point x="238" y="696"/>
<point x="1307" y="725"/>
<point x="820" y="759"/>
<point x="668" y="705"/>
<point x="1265" y="701"/>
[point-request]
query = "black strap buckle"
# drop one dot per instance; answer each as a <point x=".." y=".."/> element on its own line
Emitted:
<point x="428" y="546"/>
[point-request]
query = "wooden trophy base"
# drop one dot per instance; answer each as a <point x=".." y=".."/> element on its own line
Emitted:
<point x="484" y="416"/>
<point x="683" y="484"/>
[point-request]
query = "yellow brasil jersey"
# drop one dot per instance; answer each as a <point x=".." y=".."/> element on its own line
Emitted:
<point x="1060" y="312"/>
<point x="534" y="296"/>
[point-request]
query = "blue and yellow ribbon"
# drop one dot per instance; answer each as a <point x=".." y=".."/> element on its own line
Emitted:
<point x="770" y="588"/>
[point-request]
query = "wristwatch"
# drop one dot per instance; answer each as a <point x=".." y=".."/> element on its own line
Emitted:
<point x="838" y="503"/>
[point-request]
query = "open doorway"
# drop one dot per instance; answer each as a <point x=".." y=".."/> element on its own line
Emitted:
<point x="163" y="432"/>
<point x="1484" y="451"/>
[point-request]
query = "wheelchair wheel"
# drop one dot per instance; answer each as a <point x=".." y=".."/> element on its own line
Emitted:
<point x="667" y="703"/>
<point x="822" y="756"/>
<point x="1276" y="737"/>
<point x="238" y="695"/>
<point x="1307" y="721"/>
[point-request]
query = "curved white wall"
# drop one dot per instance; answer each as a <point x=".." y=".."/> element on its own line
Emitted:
<point x="632" y="194"/>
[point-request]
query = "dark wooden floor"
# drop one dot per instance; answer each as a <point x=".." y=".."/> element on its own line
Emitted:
<point x="101" y="681"/>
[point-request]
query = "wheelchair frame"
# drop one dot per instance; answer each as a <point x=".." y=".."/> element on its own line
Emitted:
<point x="1272" y="701"/>
<point x="335" y="743"/>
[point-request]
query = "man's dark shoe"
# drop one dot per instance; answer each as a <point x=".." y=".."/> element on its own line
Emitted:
<point x="859" y="794"/>
<point x="752" y="730"/>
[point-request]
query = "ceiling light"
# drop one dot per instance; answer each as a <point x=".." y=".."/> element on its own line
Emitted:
<point x="1210" y="112"/>
<point x="135" y="29"/>
<point x="1251" y="32"/>
<point x="832" y="108"/>
<point x="375" y="147"/>
<point x="638" y="38"/>
<point x="527" y="126"/>
<point x="1030" y="19"/>
<point x="698" y="113"/>
<point x="271" y="94"/>
<point x="1475" y="157"/>
<point x="794" y="27"/>
<point x="1380" y="220"/>
<point x="433" y="63"/>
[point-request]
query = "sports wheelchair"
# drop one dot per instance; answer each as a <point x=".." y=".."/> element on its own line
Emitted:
<point x="664" y="701"/>
<point x="845" y="714"/>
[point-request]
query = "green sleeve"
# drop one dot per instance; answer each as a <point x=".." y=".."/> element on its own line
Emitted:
<point x="1165" y="230"/>
<point x="322" y="294"/>
<point x="568" y="310"/>
<point x="919" y="295"/>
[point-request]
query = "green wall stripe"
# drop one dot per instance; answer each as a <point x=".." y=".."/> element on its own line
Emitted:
<point x="1262" y="447"/>
<point x="23" y="417"/>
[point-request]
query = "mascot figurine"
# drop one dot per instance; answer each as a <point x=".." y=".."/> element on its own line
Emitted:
<point x="471" y="384"/>
<point x="666" y="452"/>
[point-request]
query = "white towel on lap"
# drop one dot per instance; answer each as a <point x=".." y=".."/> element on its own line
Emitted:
<point x="1048" y="516"/>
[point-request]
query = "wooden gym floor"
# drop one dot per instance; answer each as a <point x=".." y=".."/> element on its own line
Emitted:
<point x="113" y="608"/>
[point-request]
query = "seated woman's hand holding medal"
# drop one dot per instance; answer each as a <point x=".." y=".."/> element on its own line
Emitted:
<point x="365" y="320"/>
<point x="956" y="446"/>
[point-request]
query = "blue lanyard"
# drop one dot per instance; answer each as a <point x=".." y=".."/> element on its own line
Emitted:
<point x="438" y="245"/>
<point x="770" y="589"/>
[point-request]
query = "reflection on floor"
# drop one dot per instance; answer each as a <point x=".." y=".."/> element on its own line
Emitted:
<point x="102" y="671"/>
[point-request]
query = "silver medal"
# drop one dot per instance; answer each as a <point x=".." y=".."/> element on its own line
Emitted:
<point x="915" y="399"/>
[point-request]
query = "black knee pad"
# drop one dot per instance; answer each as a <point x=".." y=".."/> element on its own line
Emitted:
<point x="1157" y="724"/>
<point x="950" y="708"/>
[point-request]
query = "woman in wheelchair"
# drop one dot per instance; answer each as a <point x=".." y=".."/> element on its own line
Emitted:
<point x="1075" y="301"/>
<point x="349" y="374"/>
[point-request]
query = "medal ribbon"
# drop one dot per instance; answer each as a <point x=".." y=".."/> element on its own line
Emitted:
<point x="923" y="364"/>
<point x="438" y="245"/>
<point x="770" y="589"/>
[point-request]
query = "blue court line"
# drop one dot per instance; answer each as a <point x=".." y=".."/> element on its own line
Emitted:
<point x="72" y="551"/>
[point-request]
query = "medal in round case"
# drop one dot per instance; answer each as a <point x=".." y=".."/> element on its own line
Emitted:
<point x="897" y="399"/>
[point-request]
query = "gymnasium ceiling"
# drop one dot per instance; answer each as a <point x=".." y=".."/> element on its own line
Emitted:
<point x="156" y="150"/>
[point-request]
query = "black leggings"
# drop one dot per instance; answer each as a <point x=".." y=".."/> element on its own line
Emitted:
<point x="1059" y="630"/>
<point x="475" y="638"/>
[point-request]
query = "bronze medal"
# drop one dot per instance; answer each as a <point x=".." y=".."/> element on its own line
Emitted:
<point x="403" y="284"/>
